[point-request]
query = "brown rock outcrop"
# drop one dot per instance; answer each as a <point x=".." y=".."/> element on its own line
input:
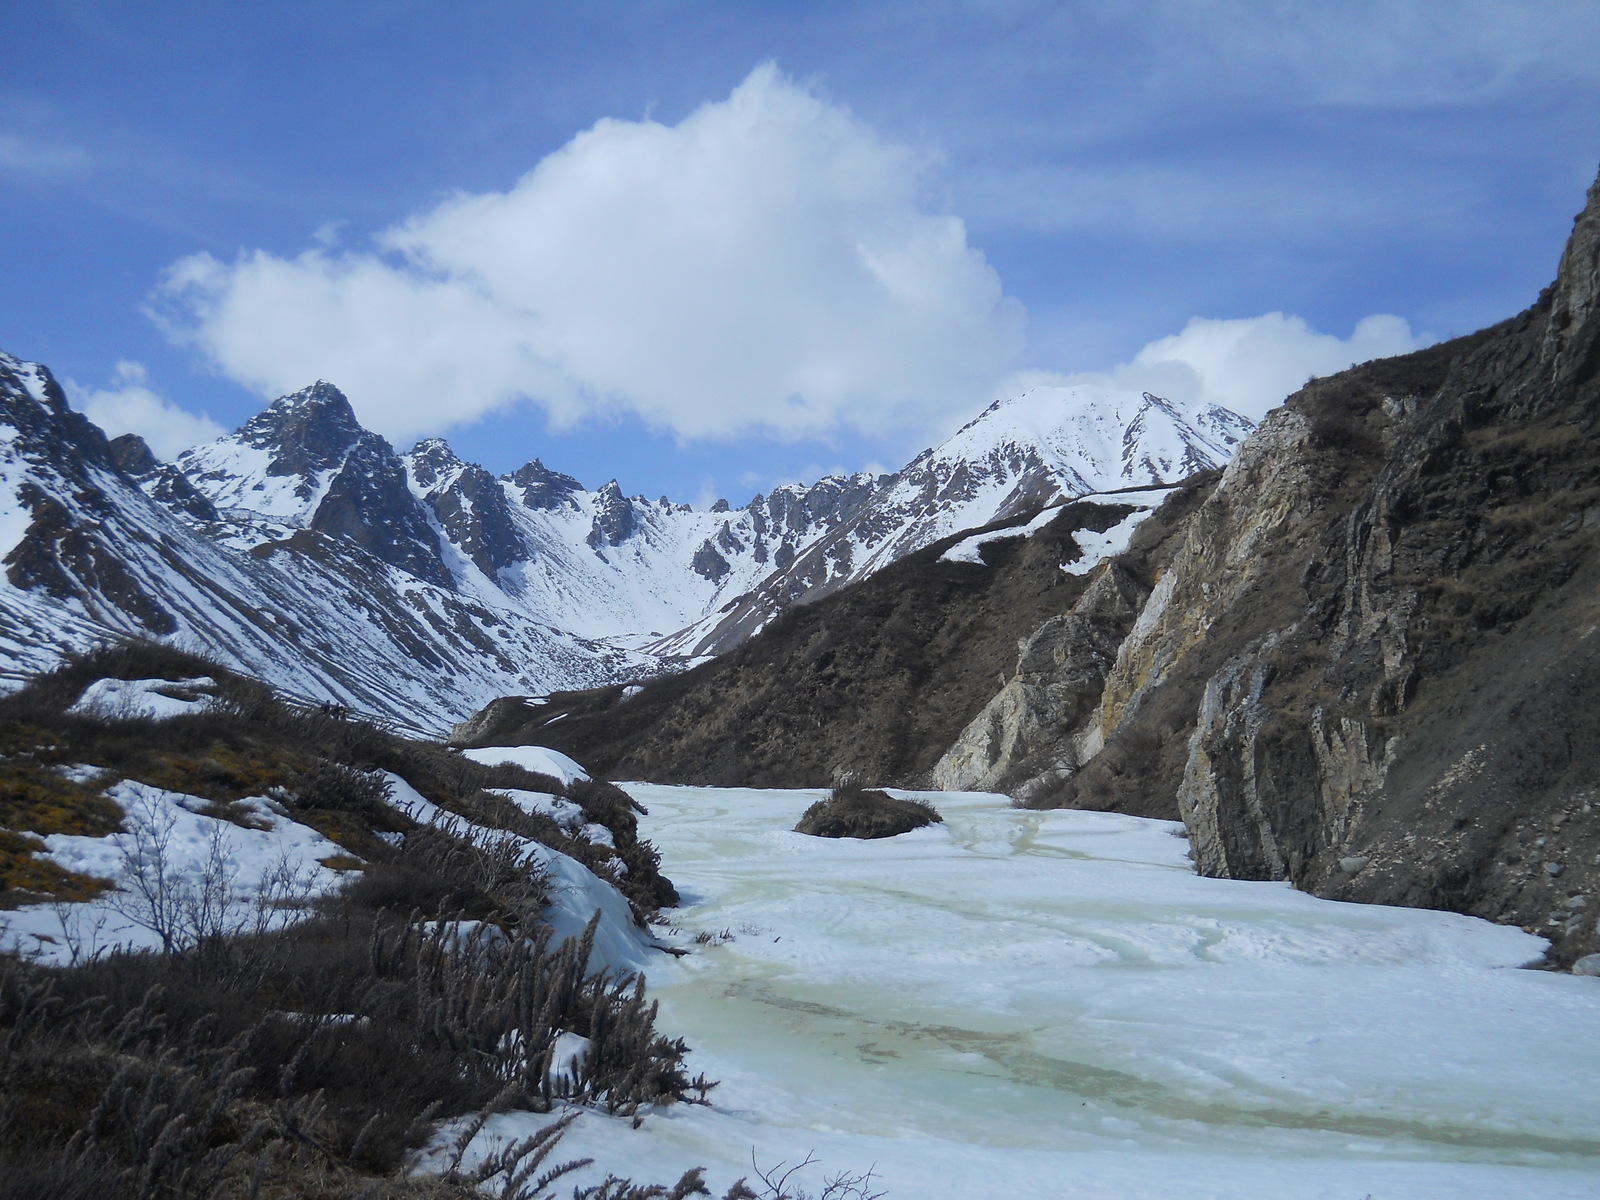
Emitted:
<point x="1372" y="668"/>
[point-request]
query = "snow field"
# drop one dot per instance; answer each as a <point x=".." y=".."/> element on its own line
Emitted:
<point x="140" y="697"/>
<point x="531" y="758"/>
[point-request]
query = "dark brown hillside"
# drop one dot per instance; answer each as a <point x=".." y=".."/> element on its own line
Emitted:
<point x="878" y="678"/>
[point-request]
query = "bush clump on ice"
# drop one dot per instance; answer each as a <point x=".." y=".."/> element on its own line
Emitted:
<point x="852" y="810"/>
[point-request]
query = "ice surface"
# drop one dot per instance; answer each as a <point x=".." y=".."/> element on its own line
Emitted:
<point x="1054" y="1004"/>
<point x="532" y="758"/>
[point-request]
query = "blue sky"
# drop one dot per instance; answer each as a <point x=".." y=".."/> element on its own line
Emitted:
<point x="708" y="247"/>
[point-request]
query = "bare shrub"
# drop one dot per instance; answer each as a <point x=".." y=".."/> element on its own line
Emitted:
<point x="252" y="1057"/>
<point x="852" y="810"/>
<point x="330" y="784"/>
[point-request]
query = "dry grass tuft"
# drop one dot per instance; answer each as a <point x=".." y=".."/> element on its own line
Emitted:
<point x="852" y="810"/>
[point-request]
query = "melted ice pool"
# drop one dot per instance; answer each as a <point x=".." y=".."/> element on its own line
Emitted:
<point x="1053" y="1004"/>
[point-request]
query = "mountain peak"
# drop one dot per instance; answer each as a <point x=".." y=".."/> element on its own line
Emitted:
<point x="541" y="487"/>
<point x="614" y="518"/>
<point x="432" y="461"/>
<point x="309" y="430"/>
<point x="133" y="455"/>
<point x="435" y="447"/>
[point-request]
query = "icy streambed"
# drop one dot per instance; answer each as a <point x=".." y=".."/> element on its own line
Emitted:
<point x="1053" y="1004"/>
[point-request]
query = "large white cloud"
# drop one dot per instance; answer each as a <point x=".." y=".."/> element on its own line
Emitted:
<point x="130" y="405"/>
<point x="765" y="266"/>
<point x="1247" y="364"/>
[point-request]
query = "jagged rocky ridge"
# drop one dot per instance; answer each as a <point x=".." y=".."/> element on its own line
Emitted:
<point x="1363" y="660"/>
<point x="304" y="549"/>
<point x="102" y="541"/>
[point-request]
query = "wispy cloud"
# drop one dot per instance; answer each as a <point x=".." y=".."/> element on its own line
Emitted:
<point x="27" y="158"/>
<point x="1177" y="119"/>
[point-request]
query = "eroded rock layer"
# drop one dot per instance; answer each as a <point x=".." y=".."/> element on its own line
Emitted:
<point x="1372" y="667"/>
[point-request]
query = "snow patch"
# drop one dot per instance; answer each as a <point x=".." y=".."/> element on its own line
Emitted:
<point x="563" y="812"/>
<point x="967" y="550"/>
<point x="531" y="758"/>
<point x="567" y="1053"/>
<point x="1097" y="547"/>
<point x="243" y="873"/>
<point x="142" y="697"/>
<point x="576" y="892"/>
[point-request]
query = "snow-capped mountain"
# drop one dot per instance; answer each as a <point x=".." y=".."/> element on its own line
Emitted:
<point x="303" y="548"/>
<point x="1035" y="449"/>
<point x="100" y="541"/>
<point x="597" y="564"/>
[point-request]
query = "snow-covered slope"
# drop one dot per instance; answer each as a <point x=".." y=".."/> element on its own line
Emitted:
<point x="605" y="565"/>
<point x="304" y="549"/>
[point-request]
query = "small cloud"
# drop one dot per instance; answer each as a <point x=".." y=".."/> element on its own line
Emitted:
<point x="1249" y="364"/>
<point x="327" y="234"/>
<point x="708" y="495"/>
<point x="130" y="405"/>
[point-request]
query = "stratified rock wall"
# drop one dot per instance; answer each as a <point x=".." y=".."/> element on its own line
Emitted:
<point x="1372" y="667"/>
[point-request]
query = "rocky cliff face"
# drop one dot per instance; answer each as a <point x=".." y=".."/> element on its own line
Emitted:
<point x="469" y="504"/>
<point x="1032" y="735"/>
<point x="1371" y="667"/>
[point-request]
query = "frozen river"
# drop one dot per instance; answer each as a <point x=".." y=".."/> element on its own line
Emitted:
<point x="1053" y="1004"/>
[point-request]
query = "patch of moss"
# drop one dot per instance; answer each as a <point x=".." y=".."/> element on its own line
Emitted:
<point x="220" y="773"/>
<point x="342" y="862"/>
<point x="36" y="798"/>
<point x="28" y="879"/>
<point x="344" y="829"/>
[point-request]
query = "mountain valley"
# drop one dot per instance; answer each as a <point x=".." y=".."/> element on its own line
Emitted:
<point x="1362" y="659"/>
